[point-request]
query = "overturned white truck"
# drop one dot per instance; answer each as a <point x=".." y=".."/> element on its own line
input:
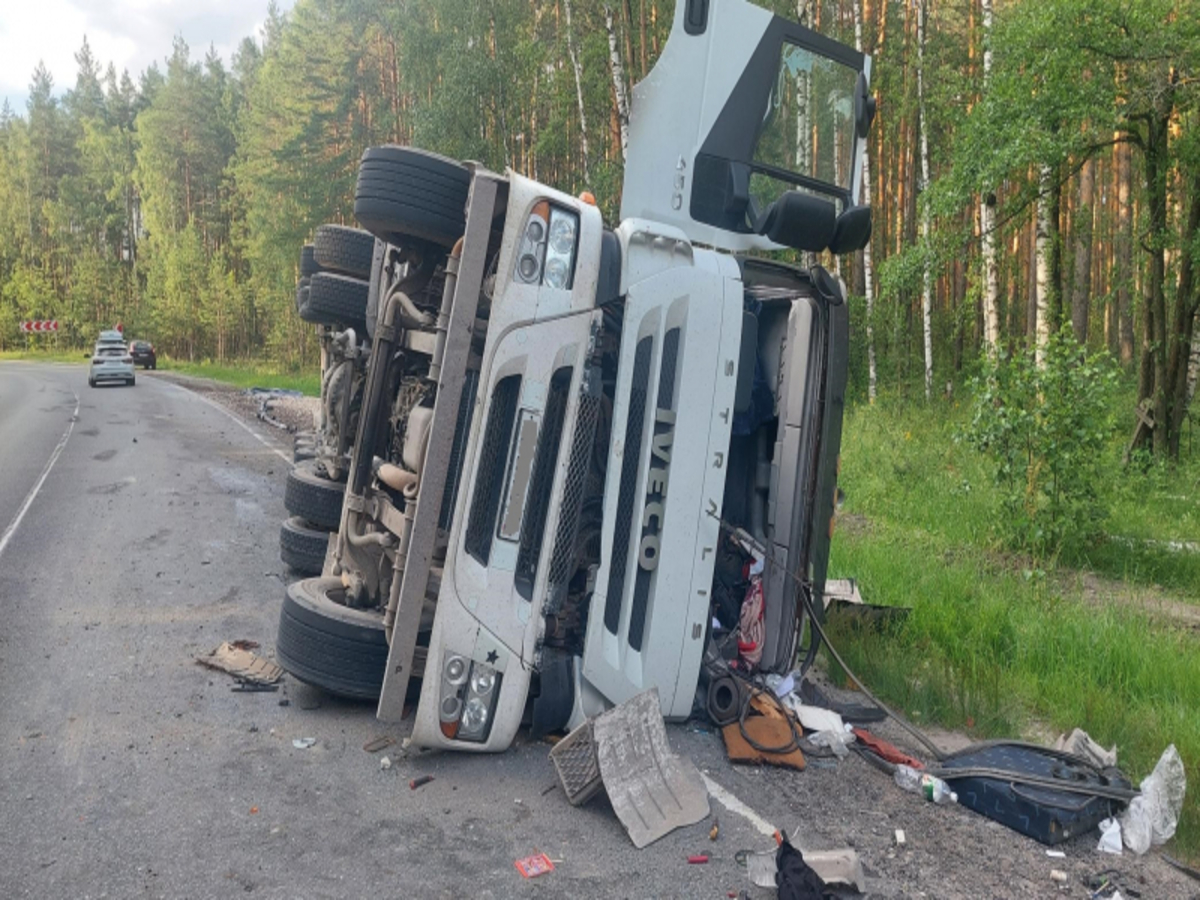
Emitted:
<point x="562" y="421"/>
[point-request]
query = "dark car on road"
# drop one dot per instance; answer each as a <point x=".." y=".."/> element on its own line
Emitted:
<point x="143" y="354"/>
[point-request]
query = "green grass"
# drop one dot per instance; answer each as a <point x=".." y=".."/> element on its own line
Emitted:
<point x="247" y="374"/>
<point x="56" y="356"/>
<point x="1000" y="645"/>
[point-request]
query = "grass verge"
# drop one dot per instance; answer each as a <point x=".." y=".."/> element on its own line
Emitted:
<point x="248" y="374"/>
<point x="996" y="646"/>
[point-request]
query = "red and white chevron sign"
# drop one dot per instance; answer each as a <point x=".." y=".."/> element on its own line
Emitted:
<point x="40" y="326"/>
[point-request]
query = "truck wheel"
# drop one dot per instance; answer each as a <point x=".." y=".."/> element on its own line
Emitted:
<point x="328" y="645"/>
<point x="302" y="299"/>
<point x="308" y="262"/>
<point x="345" y="250"/>
<point x="302" y="546"/>
<point x="337" y="300"/>
<point x="313" y="497"/>
<point x="303" y="451"/>
<point x="405" y="193"/>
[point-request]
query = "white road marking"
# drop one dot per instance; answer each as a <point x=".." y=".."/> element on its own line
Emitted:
<point x="736" y="806"/>
<point x="32" y="495"/>
<point x="219" y="408"/>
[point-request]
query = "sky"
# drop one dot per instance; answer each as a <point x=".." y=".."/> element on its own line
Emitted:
<point x="128" y="33"/>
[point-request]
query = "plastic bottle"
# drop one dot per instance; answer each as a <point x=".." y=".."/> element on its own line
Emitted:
<point x="930" y="787"/>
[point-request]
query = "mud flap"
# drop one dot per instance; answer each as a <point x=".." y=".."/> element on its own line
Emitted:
<point x="554" y="702"/>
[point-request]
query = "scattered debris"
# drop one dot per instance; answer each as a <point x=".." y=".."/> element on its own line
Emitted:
<point x="533" y="866"/>
<point x="253" y="687"/>
<point x="304" y="743"/>
<point x="764" y="731"/>
<point x="651" y="790"/>
<point x="698" y="859"/>
<point x="715" y="831"/>
<point x="254" y="810"/>
<point x="379" y="743"/>
<point x="548" y="788"/>
<point x="244" y="644"/>
<point x="900" y="838"/>
<point x="1110" y="837"/>
<point x="1058" y="875"/>
<point x="886" y="750"/>
<point x="242" y="664"/>
<point x="1080" y="743"/>
<point x="1185" y="869"/>
<point x="1151" y="818"/>
<point x="837" y="741"/>
<point x="285" y="702"/>
<point x="419" y="781"/>
<point x="1056" y="854"/>
<point x="578" y="768"/>
<point x="842" y="596"/>
<point x="385" y="763"/>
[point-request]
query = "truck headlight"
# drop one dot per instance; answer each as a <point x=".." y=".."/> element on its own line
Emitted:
<point x="469" y="692"/>
<point x="546" y="254"/>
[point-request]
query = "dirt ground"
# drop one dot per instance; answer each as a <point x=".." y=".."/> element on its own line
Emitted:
<point x="949" y="851"/>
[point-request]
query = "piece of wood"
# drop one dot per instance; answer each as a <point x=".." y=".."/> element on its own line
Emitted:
<point x="768" y="732"/>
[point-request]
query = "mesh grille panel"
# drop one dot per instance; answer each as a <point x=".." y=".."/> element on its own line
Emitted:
<point x="492" y="458"/>
<point x="577" y="470"/>
<point x="462" y="431"/>
<point x="542" y="482"/>
<point x="666" y="400"/>
<point x="634" y="425"/>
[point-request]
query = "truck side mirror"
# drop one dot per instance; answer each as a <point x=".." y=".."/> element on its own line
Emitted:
<point x="864" y="106"/>
<point x="800" y="221"/>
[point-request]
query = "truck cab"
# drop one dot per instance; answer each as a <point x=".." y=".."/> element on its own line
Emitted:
<point x="552" y="459"/>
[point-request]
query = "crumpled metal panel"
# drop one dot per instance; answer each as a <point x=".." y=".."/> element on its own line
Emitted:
<point x="652" y="790"/>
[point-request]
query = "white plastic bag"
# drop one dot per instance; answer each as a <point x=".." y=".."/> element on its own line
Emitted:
<point x="1151" y="818"/>
<point x="1110" y="837"/>
<point x="836" y="741"/>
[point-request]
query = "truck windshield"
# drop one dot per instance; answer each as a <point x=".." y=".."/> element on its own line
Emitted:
<point x="808" y="125"/>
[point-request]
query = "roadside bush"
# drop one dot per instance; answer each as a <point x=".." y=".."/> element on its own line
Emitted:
<point x="1044" y="429"/>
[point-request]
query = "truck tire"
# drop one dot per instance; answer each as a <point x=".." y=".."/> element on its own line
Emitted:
<point x="313" y="497"/>
<point x="328" y="645"/>
<point x="308" y="262"/>
<point x="302" y="547"/>
<point x="404" y="193"/>
<point x="345" y="250"/>
<point x="302" y="299"/>
<point x="337" y="300"/>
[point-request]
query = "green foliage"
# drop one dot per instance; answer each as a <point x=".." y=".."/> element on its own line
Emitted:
<point x="1044" y="425"/>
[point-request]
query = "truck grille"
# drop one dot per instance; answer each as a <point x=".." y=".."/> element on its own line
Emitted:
<point x="541" y="483"/>
<point x="561" y="565"/>
<point x="666" y="400"/>
<point x="458" y="449"/>
<point x="493" y="456"/>
<point x="634" y="425"/>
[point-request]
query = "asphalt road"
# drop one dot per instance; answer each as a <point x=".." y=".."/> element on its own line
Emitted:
<point x="130" y="771"/>
<point x="127" y="770"/>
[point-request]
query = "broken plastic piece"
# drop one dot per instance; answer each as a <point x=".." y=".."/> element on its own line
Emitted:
<point x="419" y="781"/>
<point x="242" y="664"/>
<point x="1110" y="837"/>
<point x="652" y="791"/>
<point x="1151" y="818"/>
<point x="303" y="743"/>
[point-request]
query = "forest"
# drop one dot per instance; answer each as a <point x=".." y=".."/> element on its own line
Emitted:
<point x="1034" y="167"/>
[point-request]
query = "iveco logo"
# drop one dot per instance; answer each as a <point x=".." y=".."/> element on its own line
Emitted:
<point x="656" y="488"/>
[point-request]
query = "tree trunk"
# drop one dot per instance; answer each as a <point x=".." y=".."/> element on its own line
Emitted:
<point x="1081" y="290"/>
<point x="1154" y="340"/>
<point x="1185" y="343"/>
<point x="618" y="79"/>
<point x="583" y="141"/>
<point x="926" y="223"/>
<point x="1124" y="256"/>
<point x="987" y="219"/>
<point x="868" y="273"/>
<point x="1042" y="325"/>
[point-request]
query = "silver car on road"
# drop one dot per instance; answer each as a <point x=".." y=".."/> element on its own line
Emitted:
<point x="110" y="362"/>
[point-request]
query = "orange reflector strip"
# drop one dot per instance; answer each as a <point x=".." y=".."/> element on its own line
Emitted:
<point x="588" y="197"/>
<point x="450" y="729"/>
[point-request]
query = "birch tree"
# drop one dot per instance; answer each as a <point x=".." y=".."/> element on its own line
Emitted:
<point x="926" y="212"/>
<point x="987" y="218"/>
<point x="618" y="79"/>
<point x="868" y="273"/>
<point x="578" y="70"/>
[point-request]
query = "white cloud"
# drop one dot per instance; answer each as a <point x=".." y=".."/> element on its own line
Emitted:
<point x="128" y="33"/>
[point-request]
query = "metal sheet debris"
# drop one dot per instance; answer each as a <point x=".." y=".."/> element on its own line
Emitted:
<point x="652" y="790"/>
<point x="241" y="663"/>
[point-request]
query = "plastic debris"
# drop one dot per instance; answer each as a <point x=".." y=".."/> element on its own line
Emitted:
<point x="419" y="781"/>
<point x="837" y="741"/>
<point x="385" y="763"/>
<point x="900" y="839"/>
<point x="533" y="866"/>
<point x="1110" y="837"/>
<point x="928" y="786"/>
<point x="1056" y="854"/>
<point x="1150" y="819"/>
<point x="1080" y="743"/>
<point x="698" y="859"/>
<point x="303" y="743"/>
<point x="241" y="663"/>
<point x="379" y="743"/>
<point x="1058" y="875"/>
